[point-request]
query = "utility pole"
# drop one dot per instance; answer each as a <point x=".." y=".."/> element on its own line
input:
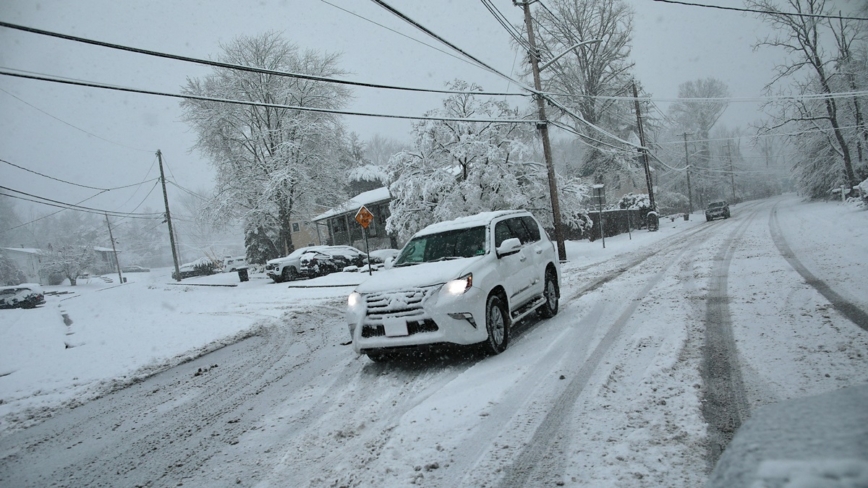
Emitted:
<point x="544" y="131"/>
<point x="114" y="251"/>
<point x="643" y="151"/>
<point x="687" y="168"/>
<point x="169" y="218"/>
<point x="731" y="172"/>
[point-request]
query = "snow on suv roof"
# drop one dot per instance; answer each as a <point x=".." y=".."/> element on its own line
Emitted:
<point x="465" y="222"/>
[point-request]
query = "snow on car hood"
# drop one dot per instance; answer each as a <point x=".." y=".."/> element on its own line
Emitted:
<point x="418" y="275"/>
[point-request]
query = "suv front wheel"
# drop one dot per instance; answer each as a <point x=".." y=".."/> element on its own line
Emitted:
<point x="496" y="324"/>
<point x="550" y="293"/>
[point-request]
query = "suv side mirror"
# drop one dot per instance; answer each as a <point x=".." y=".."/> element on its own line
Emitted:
<point x="388" y="262"/>
<point x="509" y="246"/>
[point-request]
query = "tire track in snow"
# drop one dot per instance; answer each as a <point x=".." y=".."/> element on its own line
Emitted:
<point x="724" y="405"/>
<point x="536" y="460"/>
<point x="165" y="428"/>
<point x="572" y="343"/>
<point x="845" y="307"/>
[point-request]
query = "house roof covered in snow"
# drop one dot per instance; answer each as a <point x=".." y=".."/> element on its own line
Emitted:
<point x="25" y="250"/>
<point x="103" y="249"/>
<point x="354" y="204"/>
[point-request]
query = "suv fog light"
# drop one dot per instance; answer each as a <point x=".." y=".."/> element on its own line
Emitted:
<point x="465" y="316"/>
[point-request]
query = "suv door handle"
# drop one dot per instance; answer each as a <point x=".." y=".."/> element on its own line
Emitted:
<point x="523" y="258"/>
<point x="539" y="251"/>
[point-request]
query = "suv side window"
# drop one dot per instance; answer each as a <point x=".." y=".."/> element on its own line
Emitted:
<point x="518" y="230"/>
<point x="525" y="228"/>
<point x="502" y="232"/>
<point x="532" y="227"/>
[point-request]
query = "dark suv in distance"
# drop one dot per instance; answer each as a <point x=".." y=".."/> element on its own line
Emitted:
<point x="717" y="210"/>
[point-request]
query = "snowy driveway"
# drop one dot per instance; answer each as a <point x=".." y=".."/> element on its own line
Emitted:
<point x="663" y="346"/>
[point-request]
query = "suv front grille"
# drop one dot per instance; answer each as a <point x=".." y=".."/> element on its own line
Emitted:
<point x="403" y="303"/>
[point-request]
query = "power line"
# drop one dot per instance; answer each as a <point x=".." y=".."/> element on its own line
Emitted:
<point x="57" y="203"/>
<point x="809" y="96"/>
<point x="71" y="125"/>
<point x="157" y="182"/>
<point x="396" y="32"/>
<point x="250" y="69"/>
<point x="482" y="64"/>
<point x="69" y="182"/>
<point x="758" y="11"/>
<point x="46" y="216"/>
<point x="504" y="22"/>
<point x="419" y="26"/>
<point x="260" y="104"/>
<point x="189" y="192"/>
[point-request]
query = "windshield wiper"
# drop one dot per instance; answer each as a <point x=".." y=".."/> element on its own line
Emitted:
<point x="401" y="265"/>
<point x="445" y="258"/>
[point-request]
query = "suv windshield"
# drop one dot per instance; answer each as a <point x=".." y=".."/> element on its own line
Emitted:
<point x="452" y="244"/>
<point x="716" y="204"/>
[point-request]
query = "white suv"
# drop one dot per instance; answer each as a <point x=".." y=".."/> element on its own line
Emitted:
<point x="465" y="281"/>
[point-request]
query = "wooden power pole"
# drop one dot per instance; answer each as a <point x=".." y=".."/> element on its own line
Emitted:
<point x="544" y="133"/>
<point x="643" y="150"/>
<point x="687" y="168"/>
<point x="114" y="250"/>
<point x="169" y="218"/>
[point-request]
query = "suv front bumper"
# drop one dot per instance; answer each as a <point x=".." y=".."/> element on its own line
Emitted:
<point x="437" y="318"/>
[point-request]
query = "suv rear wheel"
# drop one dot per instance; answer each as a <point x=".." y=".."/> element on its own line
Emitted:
<point x="496" y="325"/>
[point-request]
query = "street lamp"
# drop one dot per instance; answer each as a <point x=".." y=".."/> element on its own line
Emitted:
<point x="559" y="56"/>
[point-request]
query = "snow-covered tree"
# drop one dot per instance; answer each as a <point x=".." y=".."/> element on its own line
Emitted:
<point x="803" y="33"/>
<point x="68" y="260"/>
<point x="462" y="168"/>
<point x="273" y="164"/>
<point x="585" y="79"/>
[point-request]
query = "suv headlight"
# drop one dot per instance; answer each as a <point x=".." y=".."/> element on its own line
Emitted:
<point x="459" y="286"/>
<point x="354" y="300"/>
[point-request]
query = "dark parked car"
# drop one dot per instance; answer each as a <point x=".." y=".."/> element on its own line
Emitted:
<point x="344" y="256"/>
<point x="717" y="210"/>
<point x="27" y="295"/>
<point x="317" y="263"/>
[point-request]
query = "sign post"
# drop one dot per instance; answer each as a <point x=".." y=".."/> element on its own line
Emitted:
<point x="598" y="189"/>
<point x="364" y="217"/>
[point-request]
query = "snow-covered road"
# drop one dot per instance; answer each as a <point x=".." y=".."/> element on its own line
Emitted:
<point x="664" y="344"/>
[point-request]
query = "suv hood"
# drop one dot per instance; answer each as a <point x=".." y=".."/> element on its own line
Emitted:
<point x="417" y="276"/>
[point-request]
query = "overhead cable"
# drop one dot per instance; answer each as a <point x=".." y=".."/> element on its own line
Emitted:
<point x="504" y="22"/>
<point x="484" y="65"/>
<point x="809" y="96"/>
<point x="71" y="183"/>
<point x="218" y="64"/>
<point x="45" y="216"/>
<point x="261" y="104"/>
<point x="396" y="32"/>
<point x="34" y="107"/>
<point x="70" y="206"/>
<point x="766" y="12"/>
<point x="419" y="26"/>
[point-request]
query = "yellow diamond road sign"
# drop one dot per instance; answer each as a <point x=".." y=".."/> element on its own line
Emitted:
<point x="364" y="217"/>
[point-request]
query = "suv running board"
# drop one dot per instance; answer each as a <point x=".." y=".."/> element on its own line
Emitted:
<point x="527" y="308"/>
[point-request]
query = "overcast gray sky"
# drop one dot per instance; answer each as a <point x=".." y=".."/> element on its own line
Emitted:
<point x="107" y="139"/>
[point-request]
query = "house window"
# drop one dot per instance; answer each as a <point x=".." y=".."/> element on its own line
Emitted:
<point x="295" y="226"/>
